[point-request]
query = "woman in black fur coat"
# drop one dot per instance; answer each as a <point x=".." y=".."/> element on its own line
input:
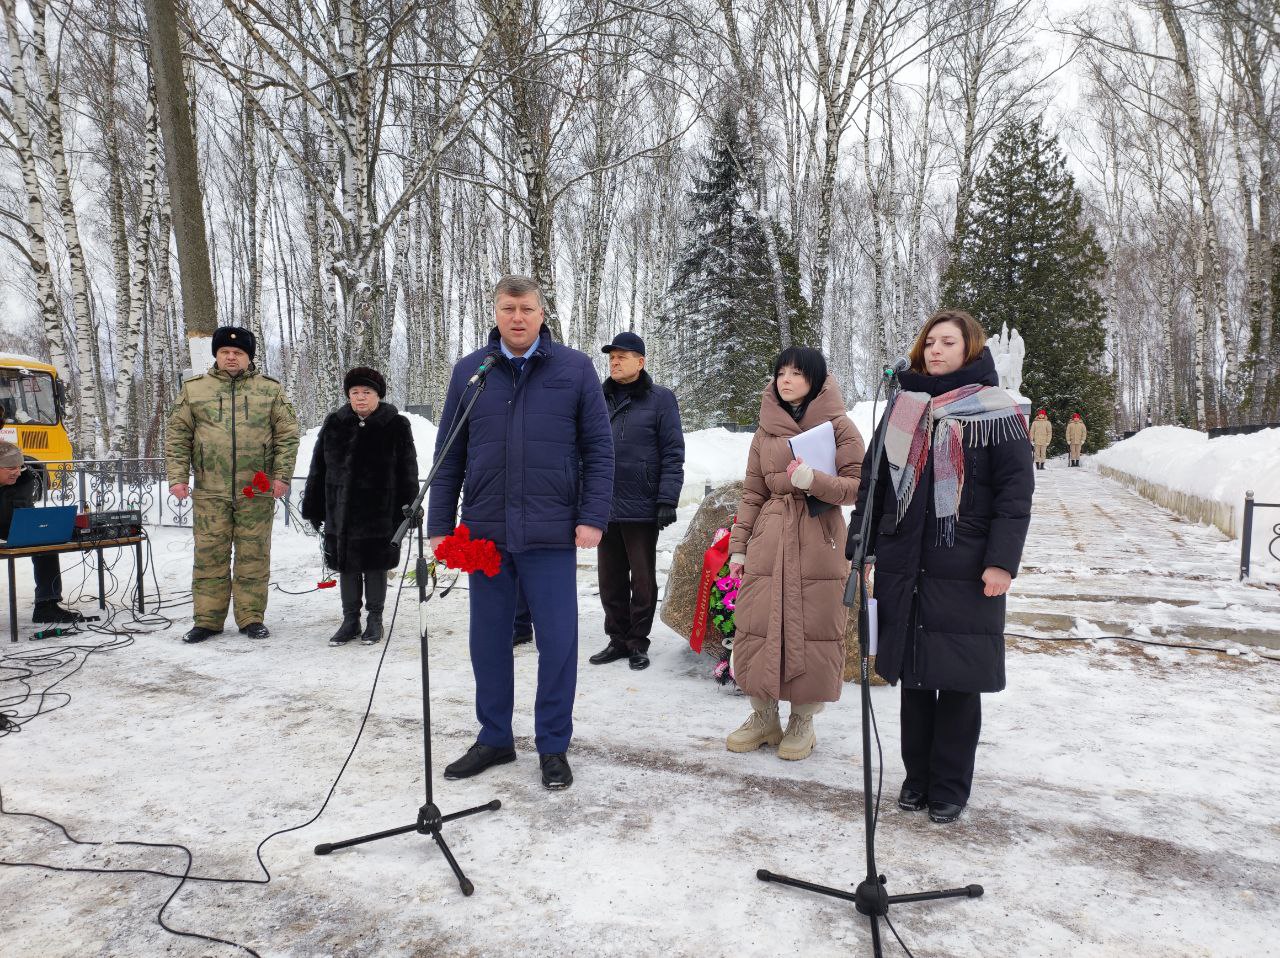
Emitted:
<point x="364" y="470"/>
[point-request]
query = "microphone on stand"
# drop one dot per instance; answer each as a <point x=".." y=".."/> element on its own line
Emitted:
<point x="899" y="365"/>
<point x="489" y="362"/>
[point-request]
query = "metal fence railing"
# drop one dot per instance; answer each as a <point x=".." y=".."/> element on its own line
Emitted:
<point x="1246" y="532"/>
<point x="110" y="484"/>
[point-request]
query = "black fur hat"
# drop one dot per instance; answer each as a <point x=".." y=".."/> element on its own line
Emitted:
<point x="364" y="376"/>
<point x="235" y="336"/>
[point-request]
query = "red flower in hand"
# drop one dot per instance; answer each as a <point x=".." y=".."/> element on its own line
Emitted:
<point x="248" y="492"/>
<point x="261" y="482"/>
<point x="459" y="551"/>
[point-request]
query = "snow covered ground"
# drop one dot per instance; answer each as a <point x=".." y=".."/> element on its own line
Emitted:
<point x="1218" y="471"/>
<point x="1125" y="801"/>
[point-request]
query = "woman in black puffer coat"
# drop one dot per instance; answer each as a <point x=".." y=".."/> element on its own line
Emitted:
<point x="364" y="471"/>
<point x="952" y="511"/>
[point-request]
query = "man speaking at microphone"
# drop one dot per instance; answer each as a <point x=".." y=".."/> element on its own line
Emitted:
<point x="534" y="466"/>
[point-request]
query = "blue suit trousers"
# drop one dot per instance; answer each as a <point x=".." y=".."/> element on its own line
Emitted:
<point x="548" y="579"/>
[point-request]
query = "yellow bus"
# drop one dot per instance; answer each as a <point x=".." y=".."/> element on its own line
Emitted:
<point x="32" y="408"/>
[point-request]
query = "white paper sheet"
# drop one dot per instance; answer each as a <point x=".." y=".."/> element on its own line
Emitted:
<point x="817" y="447"/>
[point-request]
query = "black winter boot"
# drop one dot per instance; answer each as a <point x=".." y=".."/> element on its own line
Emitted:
<point x="375" y="595"/>
<point x="350" y="586"/>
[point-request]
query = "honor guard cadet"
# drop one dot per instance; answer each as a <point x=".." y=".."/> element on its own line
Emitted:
<point x="1041" y="436"/>
<point x="1077" y="434"/>
<point x="229" y="424"/>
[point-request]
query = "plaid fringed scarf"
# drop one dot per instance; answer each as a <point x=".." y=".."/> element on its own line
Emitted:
<point x="920" y="422"/>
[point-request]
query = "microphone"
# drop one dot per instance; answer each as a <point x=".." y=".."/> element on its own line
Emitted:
<point x="485" y="366"/>
<point x="899" y="365"/>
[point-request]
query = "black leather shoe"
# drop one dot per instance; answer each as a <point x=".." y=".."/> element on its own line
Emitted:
<point x="478" y="758"/>
<point x="610" y="653"/>
<point x="909" y="800"/>
<point x="555" y="771"/>
<point x="520" y="638"/>
<point x="50" y="611"/>
<point x="944" y="812"/>
<point x="639" y="660"/>
<point x="199" y="633"/>
<point x="256" y="630"/>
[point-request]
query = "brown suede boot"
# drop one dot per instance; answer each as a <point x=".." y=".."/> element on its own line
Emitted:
<point x="762" y="727"/>
<point x="799" y="741"/>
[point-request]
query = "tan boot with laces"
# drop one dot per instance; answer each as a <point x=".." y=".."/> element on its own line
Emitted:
<point x="762" y="727"/>
<point x="799" y="740"/>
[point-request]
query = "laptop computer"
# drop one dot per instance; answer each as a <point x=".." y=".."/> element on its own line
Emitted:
<point x="48" y="526"/>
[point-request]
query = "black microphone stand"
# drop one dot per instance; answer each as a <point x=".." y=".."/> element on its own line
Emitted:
<point x="430" y="821"/>
<point x="870" y="898"/>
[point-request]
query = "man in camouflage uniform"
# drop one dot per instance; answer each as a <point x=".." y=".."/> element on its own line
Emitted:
<point x="230" y="423"/>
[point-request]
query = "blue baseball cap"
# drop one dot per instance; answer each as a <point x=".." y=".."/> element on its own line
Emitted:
<point x="628" y="341"/>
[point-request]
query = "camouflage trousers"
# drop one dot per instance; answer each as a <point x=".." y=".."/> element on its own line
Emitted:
<point x="1041" y="452"/>
<point x="220" y="525"/>
<point x="1075" y="450"/>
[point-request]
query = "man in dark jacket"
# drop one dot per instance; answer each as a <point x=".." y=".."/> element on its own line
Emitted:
<point x="648" y="471"/>
<point x="18" y="491"/>
<point x="534" y="466"/>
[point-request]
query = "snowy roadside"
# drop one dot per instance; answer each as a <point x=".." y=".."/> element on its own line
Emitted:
<point x="1124" y="805"/>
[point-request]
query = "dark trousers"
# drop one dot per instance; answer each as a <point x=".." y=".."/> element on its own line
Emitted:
<point x="627" y="557"/>
<point x="548" y="579"/>
<point x="939" y="741"/>
<point x="48" y="575"/>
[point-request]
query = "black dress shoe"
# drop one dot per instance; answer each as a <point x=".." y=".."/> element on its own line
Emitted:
<point x="256" y="630"/>
<point x="555" y="771"/>
<point x="478" y="758"/>
<point x="610" y="653"/>
<point x="199" y="633"/>
<point x="944" y="812"/>
<point x="50" y="611"/>
<point x="909" y="800"/>
<point x="520" y="638"/>
<point x="639" y="660"/>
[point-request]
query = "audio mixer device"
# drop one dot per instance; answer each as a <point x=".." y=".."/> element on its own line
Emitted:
<point x="119" y="524"/>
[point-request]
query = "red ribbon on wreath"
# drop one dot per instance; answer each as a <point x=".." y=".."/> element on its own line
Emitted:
<point x="461" y="552"/>
<point x="713" y="561"/>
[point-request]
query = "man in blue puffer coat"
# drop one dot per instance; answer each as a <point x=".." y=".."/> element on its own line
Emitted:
<point x="534" y="467"/>
<point x="648" y="450"/>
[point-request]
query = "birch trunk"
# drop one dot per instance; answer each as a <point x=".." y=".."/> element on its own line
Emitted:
<point x="131" y="329"/>
<point x="46" y="295"/>
<point x="82" y="408"/>
<point x="1213" y="246"/>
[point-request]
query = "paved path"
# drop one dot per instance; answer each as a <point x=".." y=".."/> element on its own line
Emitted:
<point x="1101" y="557"/>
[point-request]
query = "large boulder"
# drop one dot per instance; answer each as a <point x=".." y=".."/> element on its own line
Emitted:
<point x="681" y="593"/>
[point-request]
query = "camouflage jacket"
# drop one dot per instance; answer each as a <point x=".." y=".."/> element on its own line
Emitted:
<point x="1041" y="432"/>
<point x="1076" y="433"/>
<point x="224" y="430"/>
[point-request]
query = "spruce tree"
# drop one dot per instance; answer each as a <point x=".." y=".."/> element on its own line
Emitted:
<point x="720" y="330"/>
<point x="1028" y="259"/>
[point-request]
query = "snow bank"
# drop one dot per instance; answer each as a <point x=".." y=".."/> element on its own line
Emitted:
<point x="424" y="439"/>
<point x="1204" y="479"/>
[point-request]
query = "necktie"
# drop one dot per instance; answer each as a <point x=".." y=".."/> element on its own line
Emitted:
<point x="518" y="362"/>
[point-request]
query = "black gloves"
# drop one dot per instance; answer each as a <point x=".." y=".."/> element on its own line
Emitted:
<point x="666" y="515"/>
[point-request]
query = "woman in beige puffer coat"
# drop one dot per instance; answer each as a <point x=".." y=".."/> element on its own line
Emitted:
<point x="790" y="618"/>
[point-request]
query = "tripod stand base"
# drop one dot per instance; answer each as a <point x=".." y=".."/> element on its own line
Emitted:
<point x="870" y="898"/>
<point x="430" y="822"/>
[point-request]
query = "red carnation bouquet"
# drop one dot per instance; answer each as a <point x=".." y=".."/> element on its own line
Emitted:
<point x="460" y="551"/>
<point x="261" y="483"/>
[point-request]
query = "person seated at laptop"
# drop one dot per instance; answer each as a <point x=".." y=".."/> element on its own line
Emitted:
<point x="18" y="491"/>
